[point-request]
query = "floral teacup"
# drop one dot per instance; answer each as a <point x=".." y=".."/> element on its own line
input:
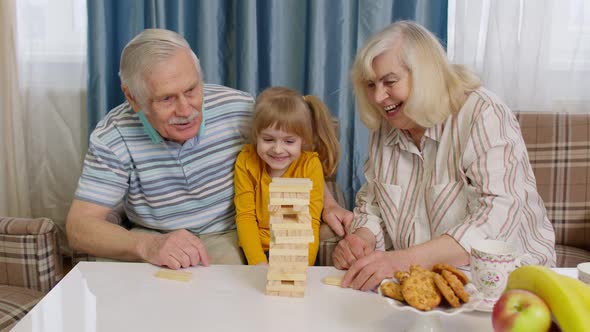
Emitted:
<point x="491" y="263"/>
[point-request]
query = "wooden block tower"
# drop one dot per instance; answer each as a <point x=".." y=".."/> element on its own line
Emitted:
<point x="290" y="235"/>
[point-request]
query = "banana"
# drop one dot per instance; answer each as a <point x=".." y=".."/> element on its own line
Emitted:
<point x="580" y="288"/>
<point x="567" y="304"/>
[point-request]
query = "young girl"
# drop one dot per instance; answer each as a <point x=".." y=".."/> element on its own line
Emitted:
<point x="290" y="135"/>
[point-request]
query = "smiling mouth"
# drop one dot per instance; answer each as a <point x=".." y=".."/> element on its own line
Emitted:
<point x="391" y="109"/>
<point x="183" y="125"/>
<point x="278" y="158"/>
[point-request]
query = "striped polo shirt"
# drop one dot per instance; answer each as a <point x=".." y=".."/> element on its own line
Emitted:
<point x="471" y="179"/>
<point x="169" y="186"/>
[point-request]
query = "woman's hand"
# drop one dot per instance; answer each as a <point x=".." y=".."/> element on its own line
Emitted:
<point x="353" y="247"/>
<point x="368" y="272"/>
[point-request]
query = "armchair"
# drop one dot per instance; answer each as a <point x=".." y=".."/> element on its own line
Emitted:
<point x="30" y="265"/>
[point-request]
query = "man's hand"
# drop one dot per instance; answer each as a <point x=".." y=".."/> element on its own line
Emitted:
<point x="368" y="272"/>
<point x="174" y="250"/>
<point x="338" y="218"/>
<point x="353" y="247"/>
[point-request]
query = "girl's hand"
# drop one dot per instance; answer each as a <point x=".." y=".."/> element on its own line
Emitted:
<point x="338" y="218"/>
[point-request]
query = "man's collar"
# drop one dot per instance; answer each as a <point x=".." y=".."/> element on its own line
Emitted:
<point x="149" y="129"/>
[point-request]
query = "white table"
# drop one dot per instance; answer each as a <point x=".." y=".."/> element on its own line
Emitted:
<point x="127" y="297"/>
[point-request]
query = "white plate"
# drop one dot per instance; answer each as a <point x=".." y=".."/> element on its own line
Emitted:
<point x="475" y="298"/>
<point x="485" y="305"/>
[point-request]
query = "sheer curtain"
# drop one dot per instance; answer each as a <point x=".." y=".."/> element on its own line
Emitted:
<point x="14" y="196"/>
<point x="49" y="128"/>
<point x="535" y="54"/>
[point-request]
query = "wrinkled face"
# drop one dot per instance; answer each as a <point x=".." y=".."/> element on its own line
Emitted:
<point x="391" y="88"/>
<point x="175" y="97"/>
<point x="278" y="149"/>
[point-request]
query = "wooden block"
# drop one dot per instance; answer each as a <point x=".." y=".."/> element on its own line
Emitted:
<point x="335" y="280"/>
<point x="291" y="226"/>
<point x="302" y="208"/>
<point x="287" y="269"/>
<point x="290" y="184"/>
<point x="288" y="188"/>
<point x="304" y="218"/>
<point x="287" y="288"/>
<point x="288" y="252"/>
<point x="183" y="276"/>
<point x="277" y="233"/>
<point x="288" y="201"/>
<point x="279" y="260"/>
<point x="293" y="239"/>
<point x="300" y="232"/>
<point x="286" y="276"/>
<point x="304" y="195"/>
<point x="290" y="218"/>
<point x="289" y="209"/>
<point x="291" y="246"/>
<point x="286" y="264"/>
<point x="276" y="219"/>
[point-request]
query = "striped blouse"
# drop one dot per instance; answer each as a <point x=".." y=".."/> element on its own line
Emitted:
<point x="471" y="179"/>
<point x="166" y="185"/>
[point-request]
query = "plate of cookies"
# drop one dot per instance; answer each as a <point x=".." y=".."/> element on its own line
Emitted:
<point x="443" y="290"/>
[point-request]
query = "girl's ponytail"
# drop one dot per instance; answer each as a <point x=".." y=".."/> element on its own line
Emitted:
<point x="325" y="137"/>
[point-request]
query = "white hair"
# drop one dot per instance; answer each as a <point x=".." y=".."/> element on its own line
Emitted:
<point x="145" y="50"/>
<point x="438" y="87"/>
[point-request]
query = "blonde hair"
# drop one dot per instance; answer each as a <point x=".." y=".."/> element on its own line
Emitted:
<point x="438" y="87"/>
<point x="307" y="117"/>
<point x="146" y="49"/>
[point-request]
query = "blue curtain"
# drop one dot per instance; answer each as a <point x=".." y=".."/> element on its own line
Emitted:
<point x="253" y="44"/>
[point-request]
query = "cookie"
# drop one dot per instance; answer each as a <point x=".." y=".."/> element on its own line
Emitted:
<point x="446" y="291"/>
<point x="401" y="276"/>
<point x="420" y="292"/>
<point x="417" y="269"/>
<point x="393" y="290"/>
<point x="439" y="267"/>
<point x="456" y="285"/>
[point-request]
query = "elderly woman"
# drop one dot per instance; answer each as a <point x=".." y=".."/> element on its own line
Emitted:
<point x="447" y="165"/>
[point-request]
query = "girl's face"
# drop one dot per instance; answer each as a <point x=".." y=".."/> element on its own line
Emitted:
<point x="278" y="149"/>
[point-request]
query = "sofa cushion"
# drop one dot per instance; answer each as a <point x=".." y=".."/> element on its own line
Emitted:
<point x="571" y="256"/>
<point x="29" y="253"/>
<point x="15" y="303"/>
<point x="559" y="148"/>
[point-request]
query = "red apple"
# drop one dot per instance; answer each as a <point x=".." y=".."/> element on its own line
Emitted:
<point x="519" y="310"/>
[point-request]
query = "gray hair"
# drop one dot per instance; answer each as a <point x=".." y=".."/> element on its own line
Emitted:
<point x="438" y="87"/>
<point x="145" y="50"/>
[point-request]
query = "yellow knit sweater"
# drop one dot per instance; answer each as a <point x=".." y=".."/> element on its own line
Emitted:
<point x="251" y="182"/>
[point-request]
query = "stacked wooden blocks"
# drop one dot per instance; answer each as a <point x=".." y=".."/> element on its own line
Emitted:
<point x="290" y="235"/>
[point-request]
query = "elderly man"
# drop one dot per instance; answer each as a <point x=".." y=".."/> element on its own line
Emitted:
<point x="167" y="154"/>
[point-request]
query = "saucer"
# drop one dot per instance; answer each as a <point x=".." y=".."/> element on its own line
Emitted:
<point x="486" y="305"/>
